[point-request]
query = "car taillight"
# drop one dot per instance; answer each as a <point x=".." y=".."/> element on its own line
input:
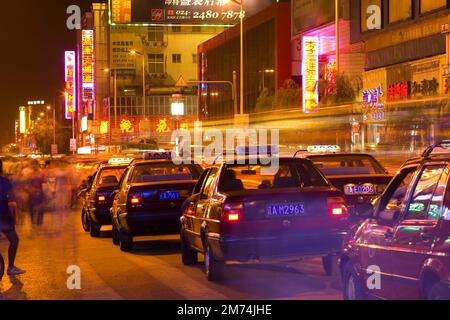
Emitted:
<point x="190" y="211"/>
<point x="135" y="199"/>
<point x="233" y="212"/>
<point x="337" y="207"/>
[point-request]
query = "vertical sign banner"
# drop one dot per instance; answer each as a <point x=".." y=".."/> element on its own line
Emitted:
<point x="23" y="120"/>
<point x="88" y="64"/>
<point x="310" y="72"/>
<point x="70" y="83"/>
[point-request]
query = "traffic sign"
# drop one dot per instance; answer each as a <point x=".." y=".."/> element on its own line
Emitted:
<point x="73" y="145"/>
<point x="181" y="83"/>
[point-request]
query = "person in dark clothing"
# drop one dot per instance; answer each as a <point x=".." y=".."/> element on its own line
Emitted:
<point x="8" y="221"/>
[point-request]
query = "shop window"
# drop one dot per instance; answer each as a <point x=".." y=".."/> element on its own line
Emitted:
<point x="175" y="28"/>
<point x="196" y="29"/>
<point x="194" y="58"/>
<point x="400" y="10"/>
<point x="431" y="5"/>
<point x="368" y="18"/>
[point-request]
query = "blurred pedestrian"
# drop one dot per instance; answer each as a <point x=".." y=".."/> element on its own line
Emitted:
<point x="8" y="221"/>
<point x="36" y="194"/>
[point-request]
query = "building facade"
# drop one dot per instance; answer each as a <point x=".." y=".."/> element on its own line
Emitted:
<point x="125" y="57"/>
<point x="405" y="93"/>
<point x="267" y="63"/>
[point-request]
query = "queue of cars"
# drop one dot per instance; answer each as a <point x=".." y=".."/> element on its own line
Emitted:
<point x="318" y="203"/>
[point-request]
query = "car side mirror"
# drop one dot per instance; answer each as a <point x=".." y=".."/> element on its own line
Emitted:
<point x="390" y="215"/>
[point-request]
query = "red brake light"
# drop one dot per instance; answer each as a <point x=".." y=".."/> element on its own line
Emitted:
<point x="233" y="212"/>
<point x="337" y="207"/>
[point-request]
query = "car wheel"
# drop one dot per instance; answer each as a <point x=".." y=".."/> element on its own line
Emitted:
<point x="214" y="269"/>
<point x="352" y="288"/>
<point x="115" y="235"/>
<point x="2" y="267"/>
<point x="438" y="292"/>
<point x="329" y="264"/>
<point x="188" y="256"/>
<point x="85" y="221"/>
<point x="94" y="230"/>
<point x="125" y="242"/>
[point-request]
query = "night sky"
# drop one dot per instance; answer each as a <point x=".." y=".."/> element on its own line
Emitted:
<point x="34" y="38"/>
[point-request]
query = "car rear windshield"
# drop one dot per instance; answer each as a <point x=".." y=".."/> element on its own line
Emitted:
<point x="164" y="172"/>
<point x="110" y="177"/>
<point x="347" y="165"/>
<point x="289" y="175"/>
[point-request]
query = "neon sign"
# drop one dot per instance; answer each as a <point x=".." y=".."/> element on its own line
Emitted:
<point x="87" y="69"/>
<point x="162" y="126"/>
<point x="70" y="83"/>
<point x="310" y="72"/>
<point x="126" y="126"/>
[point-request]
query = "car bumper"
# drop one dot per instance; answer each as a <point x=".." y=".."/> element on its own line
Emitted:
<point x="150" y="223"/>
<point x="275" y="247"/>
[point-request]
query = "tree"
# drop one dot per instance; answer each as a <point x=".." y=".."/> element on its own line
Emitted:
<point x="43" y="134"/>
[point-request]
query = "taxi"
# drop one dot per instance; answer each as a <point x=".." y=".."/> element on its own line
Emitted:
<point x="403" y="251"/>
<point x="359" y="176"/>
<point x="242" y="212"/>
<point x="98" y="195"/>
<point x="148" y="199"/>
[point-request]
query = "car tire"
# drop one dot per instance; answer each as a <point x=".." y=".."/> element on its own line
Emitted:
<point x="214" y="268"/>
<point x="438" y="292"/>
<point x="188" y="256"/>
<point x="115" y="235"/>
<point x="125" y="242"/>
<point x="94" y="229"/>
<point x="351" y="286"/>
<point x="329" y="265"/>
<point x="85" y="221"/>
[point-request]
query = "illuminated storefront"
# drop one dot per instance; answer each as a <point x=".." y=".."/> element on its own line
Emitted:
<point x="405" y="57"/>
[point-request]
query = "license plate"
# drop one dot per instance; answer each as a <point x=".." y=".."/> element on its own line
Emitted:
<point x="276" y="210"/>
<point x="364" y="189"/>
<point x="169" y="195"/>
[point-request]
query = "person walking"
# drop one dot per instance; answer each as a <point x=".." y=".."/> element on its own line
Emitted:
<point x="8" y="221"/>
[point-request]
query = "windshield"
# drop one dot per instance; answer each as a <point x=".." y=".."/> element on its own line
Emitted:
<point x="347" y="165"/>
<point x="164" y="172"/>
<point x="110" y="177"/>
<point x="289" y="175"/>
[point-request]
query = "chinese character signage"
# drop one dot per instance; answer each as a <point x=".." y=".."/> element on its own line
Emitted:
<point x="88" y="63"/>
<point x="126" y="126"/>
<point x="70" y="93"/>
<point x="373" y="109"/>
<point x="310" y="72"/>
<point x="412" y="89"/>
<point x="182" y="12"/>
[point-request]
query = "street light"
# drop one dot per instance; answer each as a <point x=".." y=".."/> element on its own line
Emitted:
<point x="54" y="122"/>
<point x="134" y="53"/>
<point x="241" y="6"/>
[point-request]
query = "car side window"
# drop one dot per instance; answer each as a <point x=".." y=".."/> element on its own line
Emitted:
<point x="209" y="184"/>
<point x="122" y="178"/>
<point x="201" y="182"/>
<point x="427" y="197"/>
<point x="398" y="190"/>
